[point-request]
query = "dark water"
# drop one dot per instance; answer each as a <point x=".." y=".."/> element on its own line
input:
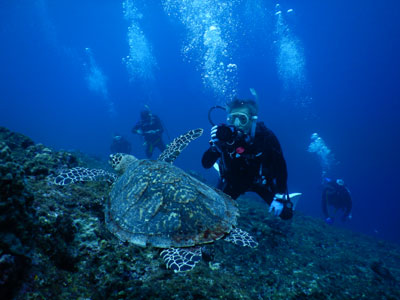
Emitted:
<point x="331" y="68"/>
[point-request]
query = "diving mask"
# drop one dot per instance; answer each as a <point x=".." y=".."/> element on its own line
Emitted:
<point x="238" y="119"/>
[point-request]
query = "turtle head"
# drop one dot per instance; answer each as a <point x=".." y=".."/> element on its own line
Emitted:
<point x="120" y="161"/>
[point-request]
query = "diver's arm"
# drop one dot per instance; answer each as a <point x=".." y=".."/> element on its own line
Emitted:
<point x="136" y="128"/>
<point x="210" y="157"/>
<point x="152" y="131"/>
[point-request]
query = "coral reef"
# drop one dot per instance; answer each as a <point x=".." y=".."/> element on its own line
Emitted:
<point x="54" y="245"/>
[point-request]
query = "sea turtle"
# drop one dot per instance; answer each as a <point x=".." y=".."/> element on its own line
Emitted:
<point x="78" y="174"/>
<point x="154" y="203"/>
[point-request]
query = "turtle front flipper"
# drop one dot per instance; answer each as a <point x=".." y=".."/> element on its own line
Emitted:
<point x="83" y="174"/>
<point x="178" y="144"/>
<point x="181" y="259"/>
<point x="241" y="238"/>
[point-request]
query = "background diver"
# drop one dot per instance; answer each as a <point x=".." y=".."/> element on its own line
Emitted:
<point x="150" y="127"/>
<point x="249" y="158"/>
<point x="120" y="145"/>
<point x="337" y="195"/>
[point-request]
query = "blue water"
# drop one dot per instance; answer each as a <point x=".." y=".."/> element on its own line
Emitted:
<point x="328" y="67"/>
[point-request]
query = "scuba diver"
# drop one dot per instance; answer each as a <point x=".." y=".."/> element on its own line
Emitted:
<point x="120" y="145"/>
<point x="151" y="129"/>
<point x="336" y="194"/>
<point x="249" y="158"/>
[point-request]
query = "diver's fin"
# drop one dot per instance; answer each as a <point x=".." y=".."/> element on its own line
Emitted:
<point x="291" y="196"/>
<point x="295" y="200"/>
<point x="216" y="167"/>
<point x="283" y="196"/>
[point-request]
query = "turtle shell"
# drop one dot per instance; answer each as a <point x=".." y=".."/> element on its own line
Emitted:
<point x="156" y="203"/>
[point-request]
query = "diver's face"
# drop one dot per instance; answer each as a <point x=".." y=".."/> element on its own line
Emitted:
<point x="241" y="119"/>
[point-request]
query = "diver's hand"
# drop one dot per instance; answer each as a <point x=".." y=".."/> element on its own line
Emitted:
<point x="214" y="141"/>
<point x="152" y="131"/>
<point x="139" y="131"/>
<point x="282" y="206"/>
<point x="276" y="207"/>
<point x="213" y="134"/>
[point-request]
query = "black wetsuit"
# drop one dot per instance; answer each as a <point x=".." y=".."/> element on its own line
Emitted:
<point x="152" y="131"/>
<point x="243" y="164"/>
<point x="337" y="196"/>
<point x="120" y="146"/>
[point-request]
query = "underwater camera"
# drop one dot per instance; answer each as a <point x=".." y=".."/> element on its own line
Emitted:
<point x="226" y="133"/>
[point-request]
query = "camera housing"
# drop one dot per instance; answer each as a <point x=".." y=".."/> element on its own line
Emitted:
<point x="226" y="133"/>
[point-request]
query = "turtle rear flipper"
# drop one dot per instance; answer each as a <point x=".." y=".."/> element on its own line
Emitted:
<point x="83" y="174"/>
<point x="241" y="238"/>
<point x="181" y="259"/>
<point x="178" y="144"/>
